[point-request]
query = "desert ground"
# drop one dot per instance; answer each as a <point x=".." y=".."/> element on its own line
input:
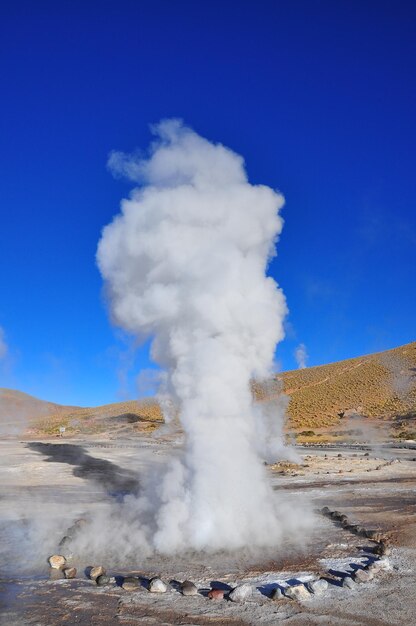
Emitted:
<point x="65" y="479"/>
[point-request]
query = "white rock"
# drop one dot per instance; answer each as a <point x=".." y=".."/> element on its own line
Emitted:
<point x="297" y="592"/>
<point x="348" y="582"/>
<point x="317" y="586"/>
<point x="363" y="576"/>
<point x="241" y="593"/>
<point x="157" y="585"/>
<point x="277" y="594"/>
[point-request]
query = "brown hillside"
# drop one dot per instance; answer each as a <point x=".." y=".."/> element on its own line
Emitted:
<point x="18" y="408"/>
<point x="113" y="419"/>
<point x="380" y="385"/>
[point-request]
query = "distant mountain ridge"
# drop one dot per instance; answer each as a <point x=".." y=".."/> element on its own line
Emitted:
<point x="379" y="386"/>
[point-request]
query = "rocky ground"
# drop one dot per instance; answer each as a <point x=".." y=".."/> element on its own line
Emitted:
<point x="54" y="482"/>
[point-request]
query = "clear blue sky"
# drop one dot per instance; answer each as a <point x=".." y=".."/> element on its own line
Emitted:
<point x="318" y="96"/>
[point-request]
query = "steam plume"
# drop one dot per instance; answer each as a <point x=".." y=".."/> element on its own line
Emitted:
<point x="185" y="264"/>
<point x="301" y="356"/>
<point x="3" y="344"/>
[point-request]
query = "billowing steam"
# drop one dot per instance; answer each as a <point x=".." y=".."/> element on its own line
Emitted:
<point x="185" y="264"/>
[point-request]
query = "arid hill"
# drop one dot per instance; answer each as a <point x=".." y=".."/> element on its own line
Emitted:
<point x="378" y="387"/>
<point x="18" y="408"/>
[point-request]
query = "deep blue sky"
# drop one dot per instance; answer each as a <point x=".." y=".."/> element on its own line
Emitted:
<point x="318" y="96"/>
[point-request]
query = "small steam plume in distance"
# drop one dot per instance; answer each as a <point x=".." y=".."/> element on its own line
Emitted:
<point x="3" y="344"/>
<point x="185" y="263"/>
<point x="301" y="356"/>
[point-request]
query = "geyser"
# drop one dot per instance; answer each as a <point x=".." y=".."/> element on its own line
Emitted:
<point x="185" y="264"/>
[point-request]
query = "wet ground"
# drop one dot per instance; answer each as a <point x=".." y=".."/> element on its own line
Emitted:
<point x="55" y="482"/>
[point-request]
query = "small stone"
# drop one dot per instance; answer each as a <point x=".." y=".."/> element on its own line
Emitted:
<point x="188" y="588"/>
<point x="325" y="510"/>
<point x="70" y="572"/>
<point x="363" y="576"/>
<point x="241" y="593"/>
<point x="277" y="594"/>
<point x="382" y="549"/>
<point x="380" y="565"/>
<point x="348" y="582"/>
<point x="65" y="541"/>
<point x="102" y="580"/>
<point x="216" y="594"/>
<point x="57" y="561"/>
<point x="297" y="592"/>
<point x="130" y="583"/>
<point x="97" y="570"/>
<point x="317" y="586"/>
<point x="157" y="585"/>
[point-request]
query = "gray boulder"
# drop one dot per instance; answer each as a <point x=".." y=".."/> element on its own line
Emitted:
<point x="157" y="585"/>
<point x="130" y="583"/>
<point x="188" y="588"/>
<point x="241" y="593"/>
<point x="317" y="586"/>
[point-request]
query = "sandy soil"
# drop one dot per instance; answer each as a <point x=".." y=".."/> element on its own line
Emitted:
<point x="63" y="479"/>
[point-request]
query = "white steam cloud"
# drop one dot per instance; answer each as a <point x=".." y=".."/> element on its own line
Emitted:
<point x="301" y="356"/>
<point x="185" y="264"/>
<point x="3" y="344"/>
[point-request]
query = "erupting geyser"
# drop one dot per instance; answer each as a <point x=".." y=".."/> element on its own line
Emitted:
<point x="185" y="264"/>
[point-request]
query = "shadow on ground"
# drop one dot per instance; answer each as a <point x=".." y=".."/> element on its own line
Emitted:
<point x="117" y="481"/>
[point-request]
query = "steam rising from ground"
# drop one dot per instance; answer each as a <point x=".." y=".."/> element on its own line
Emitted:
<point x="185" y="264"/>
<point x="3" y="344"/>
<point x="301" y="356"/>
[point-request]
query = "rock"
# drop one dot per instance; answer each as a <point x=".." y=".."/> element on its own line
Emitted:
<point x="188" y="588"/>
<point x="325" y="510"/>
<point x="363" y="576"/>
<point x="70" y="572"/>
<point x="97" y="570"/>
<point x="297" y="592"/>
<point x="102" y="580"/>
<point x="379" y="565"/>
<point x="375" y="535"/>
<point x="216" y="594"/>
<point x="382" y="549"/>
<point x="241" y="593"/>
<point x="156" y="585"/>
<point x="317" y="586"/>
<point x="130" y="583"/>
<point x="57" y="561"/>
<point x="277" y="594"/>
<point x="348" y="582"/>
<point x="65" y="541"/>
